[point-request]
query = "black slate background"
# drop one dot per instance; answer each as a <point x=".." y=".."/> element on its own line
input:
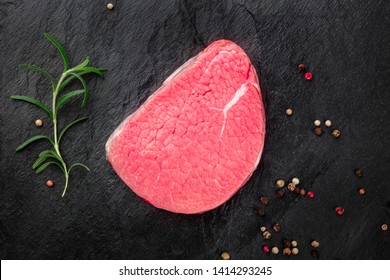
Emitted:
<point x="346" y="44"/>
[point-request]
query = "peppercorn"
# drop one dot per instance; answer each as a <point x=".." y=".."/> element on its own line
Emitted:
<point x="110" y="6"/>
<point x="279" y="193"/>
<point x="291" y="187"/>
<point x="336" y="133"/>
<point x="225" y="256"/>
<point x="280" y="183"/>
<point x="362" y="191"/>
<point x="294" y="243"/>
<point x="260" y="212"/>
<point x="267" y="235"/>
<point x="315" y="253"/>
<point x="358" y="173"/>
<point x="301" y="67"/>
<point x="38" y="123"/>
<point x="297" y="190"/>
<point x="265" y="249"/>
<point x="276" y="227"/>
<point x="328" y="123"/>
<point x="263" y="229"/>
<point x="264" y="200"/>
<point x="289" y="112"/>
<point x="295" y="251"/>
<point x="295" y="181"/>
<point x="318" y="131"/>
<point x="310" y="194"/>
<point x="315" y="244"/>
<point x="384" y="227"/>
<point x="308" y="76"/>
<point x="287" y="243"/>
<point x="275" y="250"/>
<point x="317" y="122"/>
<point x="339" y="210"/>
<point x="49" y="183"/>
<point x="302" y="192"/>
<point x="287" y="251"/>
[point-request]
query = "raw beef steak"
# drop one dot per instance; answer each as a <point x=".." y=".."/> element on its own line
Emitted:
<point x="196" y="141"/>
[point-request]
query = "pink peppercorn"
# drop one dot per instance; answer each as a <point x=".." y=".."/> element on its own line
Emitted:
<point x="339" y="210"/>
<point x="310" y="194"/>
<point x="308" y="76"/>
<point x="265" y="249"/>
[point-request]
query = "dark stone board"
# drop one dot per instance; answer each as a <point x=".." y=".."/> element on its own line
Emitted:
<point x="346" y="44"/>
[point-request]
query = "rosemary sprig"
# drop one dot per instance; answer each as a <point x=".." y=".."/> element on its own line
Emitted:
<point x="53" y="156"/>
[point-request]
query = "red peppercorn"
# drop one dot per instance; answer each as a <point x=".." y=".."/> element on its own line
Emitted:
<point x="310" y="194"/>
<point x="265" y="249"/>
<point x="308" y="76"/>
<point x="339" y="210"/>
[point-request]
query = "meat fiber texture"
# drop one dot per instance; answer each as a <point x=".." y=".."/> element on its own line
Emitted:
<point x="197" y="140"/>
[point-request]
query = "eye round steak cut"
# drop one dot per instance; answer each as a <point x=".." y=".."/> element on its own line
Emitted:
<point x="197" y="140"/>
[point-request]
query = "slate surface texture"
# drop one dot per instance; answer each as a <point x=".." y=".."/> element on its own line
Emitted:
<point x="346" y="44"/>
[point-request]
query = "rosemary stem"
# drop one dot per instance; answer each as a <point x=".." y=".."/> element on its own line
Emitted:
<point x="56" y="144"/>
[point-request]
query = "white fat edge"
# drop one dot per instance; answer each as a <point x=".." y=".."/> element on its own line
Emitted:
<point x="122" y="125"/>
<point x="179" y="70"/>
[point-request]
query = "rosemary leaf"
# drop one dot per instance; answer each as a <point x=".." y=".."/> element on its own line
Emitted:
<point x="60" y="48"/>
<point x="37" y="69"/>
<point x="33" y="139"/>
<point x="35" y="102"/>
<point x="67" y="97"/>
<point x="69" y="126"/>
<point x="45" y="165"/>
<point x="84" y="86"/>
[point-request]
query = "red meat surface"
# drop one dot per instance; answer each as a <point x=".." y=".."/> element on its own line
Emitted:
<point x="197" y="140"/>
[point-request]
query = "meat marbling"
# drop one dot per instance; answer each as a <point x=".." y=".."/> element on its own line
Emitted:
<point x="197" y="140"/>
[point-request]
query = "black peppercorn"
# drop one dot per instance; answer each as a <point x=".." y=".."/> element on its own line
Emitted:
<point x="264" y="200"/>
<point x="358" y="173"/>
<point x="318" y="131"/>
<point x="302" y="192"/>
<point x="297" y="190"/>
<point x="315" y="253"/>
<point x="260" y="212"/>
<point x="279" y="193"/>
<point x="287" y="243"/>
<point x="301" y="67"/>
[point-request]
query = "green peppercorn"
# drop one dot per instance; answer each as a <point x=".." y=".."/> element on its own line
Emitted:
<point x="336" y="133"/>
<point x="291" y="187"/>
<point x="225" y="256"/>
<point x="287" y="251"/>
